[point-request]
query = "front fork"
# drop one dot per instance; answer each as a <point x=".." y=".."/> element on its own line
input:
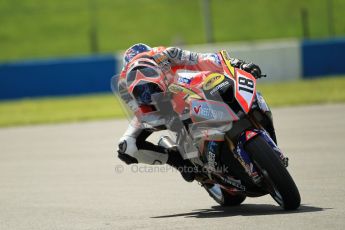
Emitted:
<point x="243" y="157"/>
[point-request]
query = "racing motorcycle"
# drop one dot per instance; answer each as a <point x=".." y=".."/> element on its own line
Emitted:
<point x="208" y="105"/>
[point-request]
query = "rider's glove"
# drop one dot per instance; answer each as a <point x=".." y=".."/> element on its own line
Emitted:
<point x="248" y="67"/>
<point x="163" y="62"/>
<point x="253" y="69"/>
<point x="237" y="62"/>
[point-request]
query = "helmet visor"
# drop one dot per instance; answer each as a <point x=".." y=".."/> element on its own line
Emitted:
<point x="143" y="92"/>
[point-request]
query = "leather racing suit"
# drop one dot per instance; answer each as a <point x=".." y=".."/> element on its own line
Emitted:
<point x="133" y="147"/>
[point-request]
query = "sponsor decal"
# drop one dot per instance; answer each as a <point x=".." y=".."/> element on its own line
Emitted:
<point x="207" y="113"/>
<point x="244" y="160"/>
<point x="203" y="110"/>
<point x="219" y="87"/>
<point x="233" y="182"/>
<point x="174" y="88"/>
<point x="212" y="80"/>
<point x="212" y="160"/>
<point x="211" y="155"/>
<point x="211" y="114"/>
<point x="184" y="80"/>
<point x="197" y="109"/>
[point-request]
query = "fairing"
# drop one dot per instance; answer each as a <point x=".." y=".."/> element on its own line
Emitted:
<point x="196" y="105"/>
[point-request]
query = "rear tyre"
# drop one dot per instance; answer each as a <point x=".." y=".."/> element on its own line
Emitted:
<point x="222" y="197"/>
<point x="276" y="177"/>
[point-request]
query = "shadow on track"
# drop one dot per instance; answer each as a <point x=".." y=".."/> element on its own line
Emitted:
<point x="243" y="210"/>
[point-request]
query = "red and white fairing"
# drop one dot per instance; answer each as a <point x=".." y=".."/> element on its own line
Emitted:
<point x="245" y="89"/>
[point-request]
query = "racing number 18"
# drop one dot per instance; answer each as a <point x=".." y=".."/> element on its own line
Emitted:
<point x="246" y="84"/>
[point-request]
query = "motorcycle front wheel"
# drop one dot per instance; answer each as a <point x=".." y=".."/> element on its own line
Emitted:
<point x="276" y="178"/>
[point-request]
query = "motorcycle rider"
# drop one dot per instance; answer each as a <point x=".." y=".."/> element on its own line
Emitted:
<point x="133" y="147"/>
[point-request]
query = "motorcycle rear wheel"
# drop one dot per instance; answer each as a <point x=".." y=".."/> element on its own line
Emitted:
<point x="224" y="198"/>
<point x="277" y="179"/>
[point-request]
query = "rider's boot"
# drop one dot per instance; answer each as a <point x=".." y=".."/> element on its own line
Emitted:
<point x="185" y="167"/>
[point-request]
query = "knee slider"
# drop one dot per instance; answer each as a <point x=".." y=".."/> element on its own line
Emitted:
<point x="127" y="158"/>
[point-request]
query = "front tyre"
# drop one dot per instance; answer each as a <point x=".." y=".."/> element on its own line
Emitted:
<point x="276" y="177"/>
<point x="222" y="197"/>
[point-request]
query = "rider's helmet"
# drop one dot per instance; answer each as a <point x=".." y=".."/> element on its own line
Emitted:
<point x="134" y="50"/>
<point x="144" y="78"/>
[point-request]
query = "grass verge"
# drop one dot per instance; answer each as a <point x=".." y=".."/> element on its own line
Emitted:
<point x="59" y="109"/>
<point x="106" y="106"/>
<point x="317" y="91"/>
<point x="49" y="28"/>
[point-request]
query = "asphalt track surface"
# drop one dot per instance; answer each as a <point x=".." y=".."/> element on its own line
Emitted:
<point x="67" y="177"/>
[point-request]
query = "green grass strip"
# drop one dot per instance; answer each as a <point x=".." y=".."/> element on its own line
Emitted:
<point x="59" y="109"/>
<point x="324" y="90"/>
